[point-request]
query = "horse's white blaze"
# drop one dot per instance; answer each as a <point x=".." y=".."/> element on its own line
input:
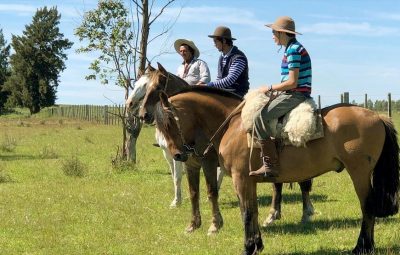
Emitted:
<point x="138" y="92"/>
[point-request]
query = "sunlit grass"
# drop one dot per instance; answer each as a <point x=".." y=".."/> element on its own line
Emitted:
<point x="124" y="209"/>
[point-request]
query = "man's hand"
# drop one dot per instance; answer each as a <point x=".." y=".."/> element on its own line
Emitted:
<point x="264" y="89"/>
<point x="201" y="83"/>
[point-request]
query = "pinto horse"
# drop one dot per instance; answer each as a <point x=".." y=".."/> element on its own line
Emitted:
<point x="355" y="138"/>
<point x="161" y="80"/>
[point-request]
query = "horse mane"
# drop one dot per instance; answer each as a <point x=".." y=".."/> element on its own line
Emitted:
<point x="163" y="118"/>
<point x="210" y="90"/>
<point x="156" y="75"/>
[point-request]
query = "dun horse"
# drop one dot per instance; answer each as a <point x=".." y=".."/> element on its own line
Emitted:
<point x="172" y="84"/>
<point x="355" y="138"/>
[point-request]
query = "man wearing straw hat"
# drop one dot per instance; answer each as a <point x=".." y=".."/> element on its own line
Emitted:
<point x="294" y="88"/>
<point x="233" y="70"/>
<point x="193" y="70"/>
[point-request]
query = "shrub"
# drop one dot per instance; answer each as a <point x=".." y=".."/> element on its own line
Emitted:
<point x="4" y="176"/>
<point x="8" y="144"/>
<point x="48" y="152"/>
<point x="73" y="167"/>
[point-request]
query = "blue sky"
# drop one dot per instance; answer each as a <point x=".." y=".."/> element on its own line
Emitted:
<point x="353" y="43"/>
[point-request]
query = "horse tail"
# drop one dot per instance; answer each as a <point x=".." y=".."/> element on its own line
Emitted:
<point x="383" y="199"/>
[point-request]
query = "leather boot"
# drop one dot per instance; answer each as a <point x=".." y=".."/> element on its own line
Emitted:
<point x="269" y="157"/>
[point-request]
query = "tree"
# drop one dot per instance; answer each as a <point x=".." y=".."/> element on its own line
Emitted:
<point x="4" y="68"/>
<point x="122" y="52"/>
<point x="37" y="62"/>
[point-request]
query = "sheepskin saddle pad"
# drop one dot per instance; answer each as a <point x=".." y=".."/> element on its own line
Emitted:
<point x="299" y="126"/>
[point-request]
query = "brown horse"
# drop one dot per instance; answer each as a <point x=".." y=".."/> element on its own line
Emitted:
<point x="355" y="138"/>
<point x="161" y="80"/>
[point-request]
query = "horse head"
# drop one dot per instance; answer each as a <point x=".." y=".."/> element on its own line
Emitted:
<point x="161" y="81"/>
<point x="167" y="123"/>
<point x="139" y="91"/>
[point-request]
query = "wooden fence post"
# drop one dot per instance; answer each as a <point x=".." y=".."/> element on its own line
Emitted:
<point x="106" y="114"/>
<point x="366" y="101"/>
<point x="319" y="101"/>
<point x="390" y="105"/>
<point x="346" y="97"/>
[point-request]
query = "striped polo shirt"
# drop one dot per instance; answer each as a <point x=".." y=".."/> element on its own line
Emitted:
<point x="296" y="56"/>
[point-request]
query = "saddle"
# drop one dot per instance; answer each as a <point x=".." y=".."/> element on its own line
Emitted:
<point x="297" y="127"/>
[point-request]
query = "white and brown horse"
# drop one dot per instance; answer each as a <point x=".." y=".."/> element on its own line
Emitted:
<point x="161" y="80"/>
<point x="355" y="138"/>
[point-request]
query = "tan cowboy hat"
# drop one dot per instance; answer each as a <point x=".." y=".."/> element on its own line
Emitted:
<point x="178" y="43"/>
<point x="223" y="32"/>
<point x="284" y="24"/>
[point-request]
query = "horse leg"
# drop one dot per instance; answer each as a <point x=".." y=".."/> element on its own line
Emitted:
<point x="176" y="174"/>
<point x="220" y="176"/>
<point x="363" y="187"/>
<point x="210" y="172"/>
<point x="246" y="190"/>
<point x="308" y="208"/>
<point x="193" y="177"/>
<point x="275" y="210"/>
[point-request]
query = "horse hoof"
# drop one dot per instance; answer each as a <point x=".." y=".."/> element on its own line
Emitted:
<point x="359" y="250"/>
<point x="272" y="217"/>
<point x="212" y="230"/>
<point x="175" y="203"/>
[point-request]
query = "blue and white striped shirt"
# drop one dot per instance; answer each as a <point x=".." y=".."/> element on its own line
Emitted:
<point x="237" y="67"/>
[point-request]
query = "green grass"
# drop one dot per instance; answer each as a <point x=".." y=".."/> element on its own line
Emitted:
<point x="114" y="211"/>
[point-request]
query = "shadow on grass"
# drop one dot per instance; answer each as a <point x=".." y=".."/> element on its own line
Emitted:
<point x="317" y="225"/>
<point x="378" y="251"/>
<point x="19" y="157"/>
<point x="265" y="200"/>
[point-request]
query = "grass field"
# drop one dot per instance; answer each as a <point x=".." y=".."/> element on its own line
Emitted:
<point x="125" y="210"/>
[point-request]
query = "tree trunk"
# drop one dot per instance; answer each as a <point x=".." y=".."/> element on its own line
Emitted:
<point x="133" y="127"/>
<point x="145" y="37"/>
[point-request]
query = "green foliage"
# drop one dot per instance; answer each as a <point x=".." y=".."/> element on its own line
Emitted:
<point x="38" y="59"/>
<point x="107" y="32"/>
<point x="4" y="69"/>
<point x="73" y="167"/>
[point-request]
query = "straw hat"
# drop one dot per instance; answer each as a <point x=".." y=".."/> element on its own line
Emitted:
<point x="223" y="32"/>
<point x="178" y="43"/>
<point x="284" y="24"/>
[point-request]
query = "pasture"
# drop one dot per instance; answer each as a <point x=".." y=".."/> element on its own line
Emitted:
<point x="125" y="209"/>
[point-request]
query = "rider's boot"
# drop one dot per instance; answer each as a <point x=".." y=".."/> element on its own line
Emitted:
<point x="269" y="157"/>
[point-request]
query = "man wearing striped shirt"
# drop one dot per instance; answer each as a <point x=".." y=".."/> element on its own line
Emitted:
<point x="294" y="88"/>
<point x="233" y="69"/>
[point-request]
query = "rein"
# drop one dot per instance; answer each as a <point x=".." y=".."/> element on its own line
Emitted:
<point x="236" y="110"/>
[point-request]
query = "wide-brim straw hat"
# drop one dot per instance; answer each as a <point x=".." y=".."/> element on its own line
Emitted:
<point x="284" y="24"/>
<point x="222" y="32"/>
<point x="178" y="43"/>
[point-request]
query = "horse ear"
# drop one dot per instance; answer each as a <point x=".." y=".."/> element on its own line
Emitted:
<point x="150" y="68"/>
<point x="164" y="100"/>
<point x="161" y="68"/>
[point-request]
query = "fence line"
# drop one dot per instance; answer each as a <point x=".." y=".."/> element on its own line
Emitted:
<point x="102" y="114"/>
<point x="108" y="115"/>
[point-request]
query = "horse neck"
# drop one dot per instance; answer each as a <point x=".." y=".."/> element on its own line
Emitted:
<point x="175" y="85"/>
<point x="208" y="111"/>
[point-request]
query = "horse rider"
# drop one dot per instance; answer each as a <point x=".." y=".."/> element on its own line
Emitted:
<point x="193" y="70"/>
<point x="233" y="69"/>
<point x="294" y="88"/>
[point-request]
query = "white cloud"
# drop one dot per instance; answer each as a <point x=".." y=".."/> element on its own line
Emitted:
<point x="21" y="9"/>
<point x="207" y="15"/>
<point x="345" y="28"/>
